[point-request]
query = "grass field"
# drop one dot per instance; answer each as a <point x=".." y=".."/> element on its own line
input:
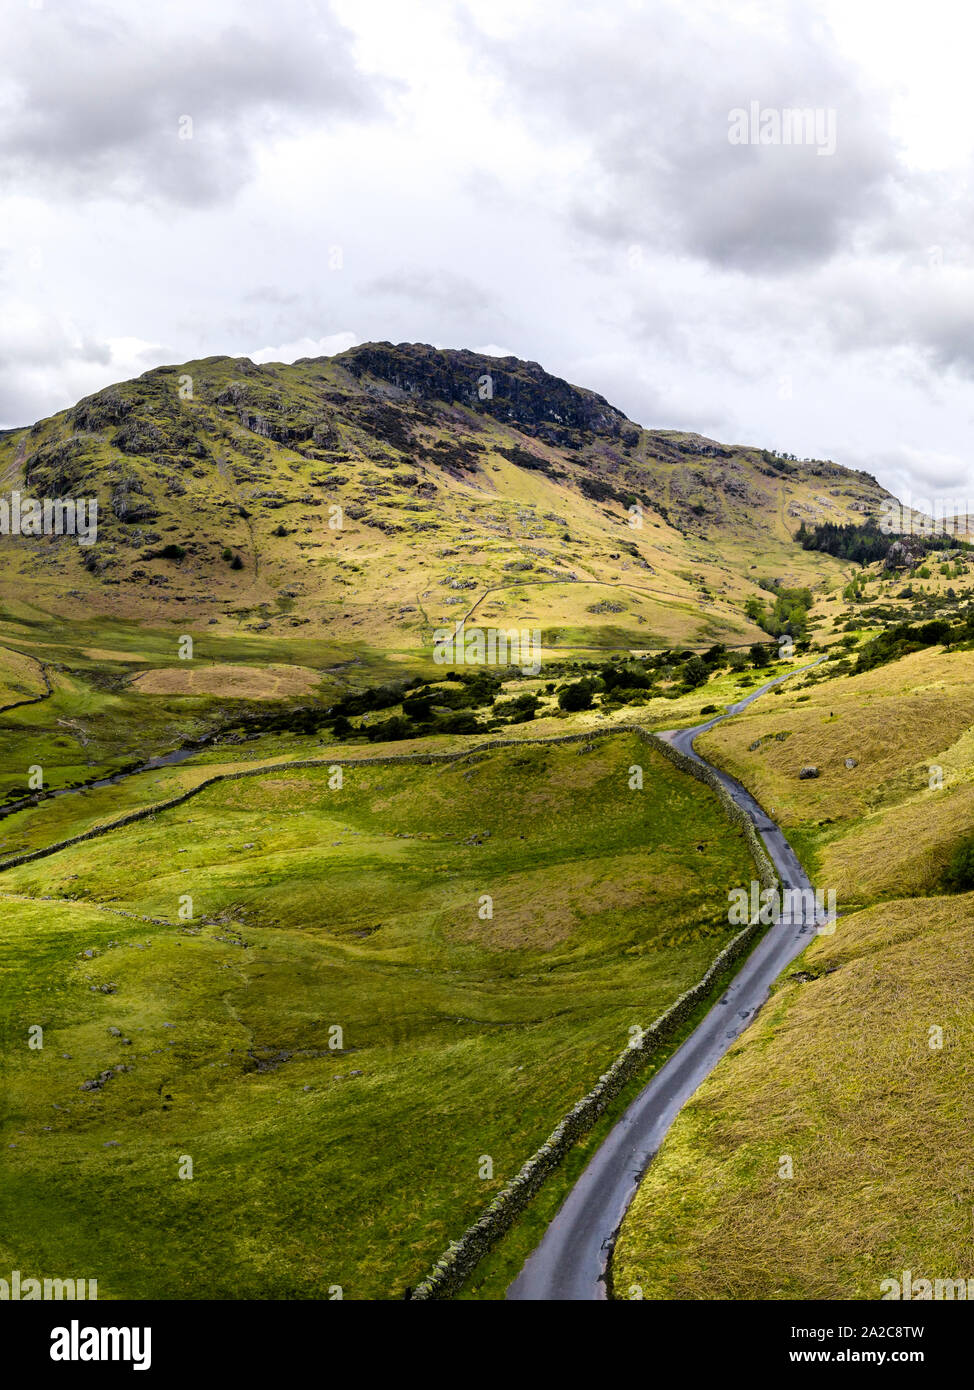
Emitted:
<point x="843" y="1075"/>
<point x="21" y="677"/>
<point x="886" y="826"/>
<point x="463" y="1037"/>
<point x="838" y="1076"/>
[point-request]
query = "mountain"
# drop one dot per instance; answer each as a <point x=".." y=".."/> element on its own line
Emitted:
<point x="380" y="493"/>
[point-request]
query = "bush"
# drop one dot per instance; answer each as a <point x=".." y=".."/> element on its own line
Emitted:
<point x="959" y="877"/>
<point x="696" y="672"/>
<point x="518" y="710"/>
<point x="236" y="563"/>
<point x="417" y="706"/>
<point x="576" y="697"/>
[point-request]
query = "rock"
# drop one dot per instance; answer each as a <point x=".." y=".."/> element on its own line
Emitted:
<point x="851" y="762"/>
<point x="809" y="771"/>
<point x="115" y="1032"/>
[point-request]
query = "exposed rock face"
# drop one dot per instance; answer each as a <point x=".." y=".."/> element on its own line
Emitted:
<point x="522" y="393"/>
<point x="902" y="555"/>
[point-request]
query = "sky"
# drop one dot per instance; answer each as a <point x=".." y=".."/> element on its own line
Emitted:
<point x="607" y="190"/>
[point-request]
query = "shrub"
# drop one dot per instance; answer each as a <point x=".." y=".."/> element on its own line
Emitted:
<point x="696" y="672"/>
<point x="518" y="710"/>
<point x="959" y="877"/>
<point x="576" y="697"/>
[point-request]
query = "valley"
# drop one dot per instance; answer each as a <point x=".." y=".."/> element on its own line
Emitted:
<point x="325" y="936"/>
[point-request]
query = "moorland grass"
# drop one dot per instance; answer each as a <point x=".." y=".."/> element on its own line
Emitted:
<point x="463" y="1038"/>
<point x="842" y="1076"/>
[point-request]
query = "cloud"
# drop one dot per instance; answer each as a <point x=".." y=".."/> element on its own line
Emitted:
<point x="442" y="287"/>
<point x="47" y="363"/>
<point x="109" y="100"/>
<point x="307" y="347"/>
<point x="492" y="350"/>
<point x="649" y="99"/>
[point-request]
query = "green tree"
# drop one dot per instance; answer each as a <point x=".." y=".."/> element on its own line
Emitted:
<point x="576" y="697"/>
<point x="695" y="672"/>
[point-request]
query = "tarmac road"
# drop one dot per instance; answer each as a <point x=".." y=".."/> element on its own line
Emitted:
<point x="570" y="1263"/>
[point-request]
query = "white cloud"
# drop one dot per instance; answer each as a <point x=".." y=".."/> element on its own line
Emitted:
<point x="550" y="181"/>
<point x="306" y="347"/>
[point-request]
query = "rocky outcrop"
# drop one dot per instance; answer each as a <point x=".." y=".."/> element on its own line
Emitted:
<point x="519" y="393"/>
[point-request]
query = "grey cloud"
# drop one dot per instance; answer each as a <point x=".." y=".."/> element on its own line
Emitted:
<point x="650" y="97"/>
<point x="95" y="97"/>
<point x="442" y="288"/>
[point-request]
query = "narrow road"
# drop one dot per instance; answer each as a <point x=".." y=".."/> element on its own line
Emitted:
<point x="572" y="1259"/>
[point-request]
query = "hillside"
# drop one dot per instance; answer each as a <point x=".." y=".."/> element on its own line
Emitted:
<point x="858" y="1072"/>
<point x="462" y="484"/>
<point x="218" y="485"/>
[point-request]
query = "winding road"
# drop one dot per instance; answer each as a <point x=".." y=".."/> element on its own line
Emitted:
<point x="571" y="1262"/>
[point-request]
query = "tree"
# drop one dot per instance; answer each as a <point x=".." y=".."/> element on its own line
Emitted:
<point x="696" y="672"/>
<point x="576" y="697"/>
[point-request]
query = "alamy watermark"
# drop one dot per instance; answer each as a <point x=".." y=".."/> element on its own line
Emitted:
<point x="77" y="1343"/>
<point x="60" y="516"/>
<point x="791" y="907"/>
<point x="491" y="646"/>
<point x="925" y="1290"/>
<point x="20" y="1289"/>
<point x="925" y="516"/>
<point x="790" y="125"/>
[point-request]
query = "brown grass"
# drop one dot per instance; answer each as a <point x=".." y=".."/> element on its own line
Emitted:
<point x="230" y="681"/>
<point x="837" y="1074"/>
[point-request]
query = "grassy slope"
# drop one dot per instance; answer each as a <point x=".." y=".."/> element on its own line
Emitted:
<point x="411" y="525"/>
<point x="356" y="907"/>
<point x="837" y="1072"/>
<point x="876" y="829"/>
